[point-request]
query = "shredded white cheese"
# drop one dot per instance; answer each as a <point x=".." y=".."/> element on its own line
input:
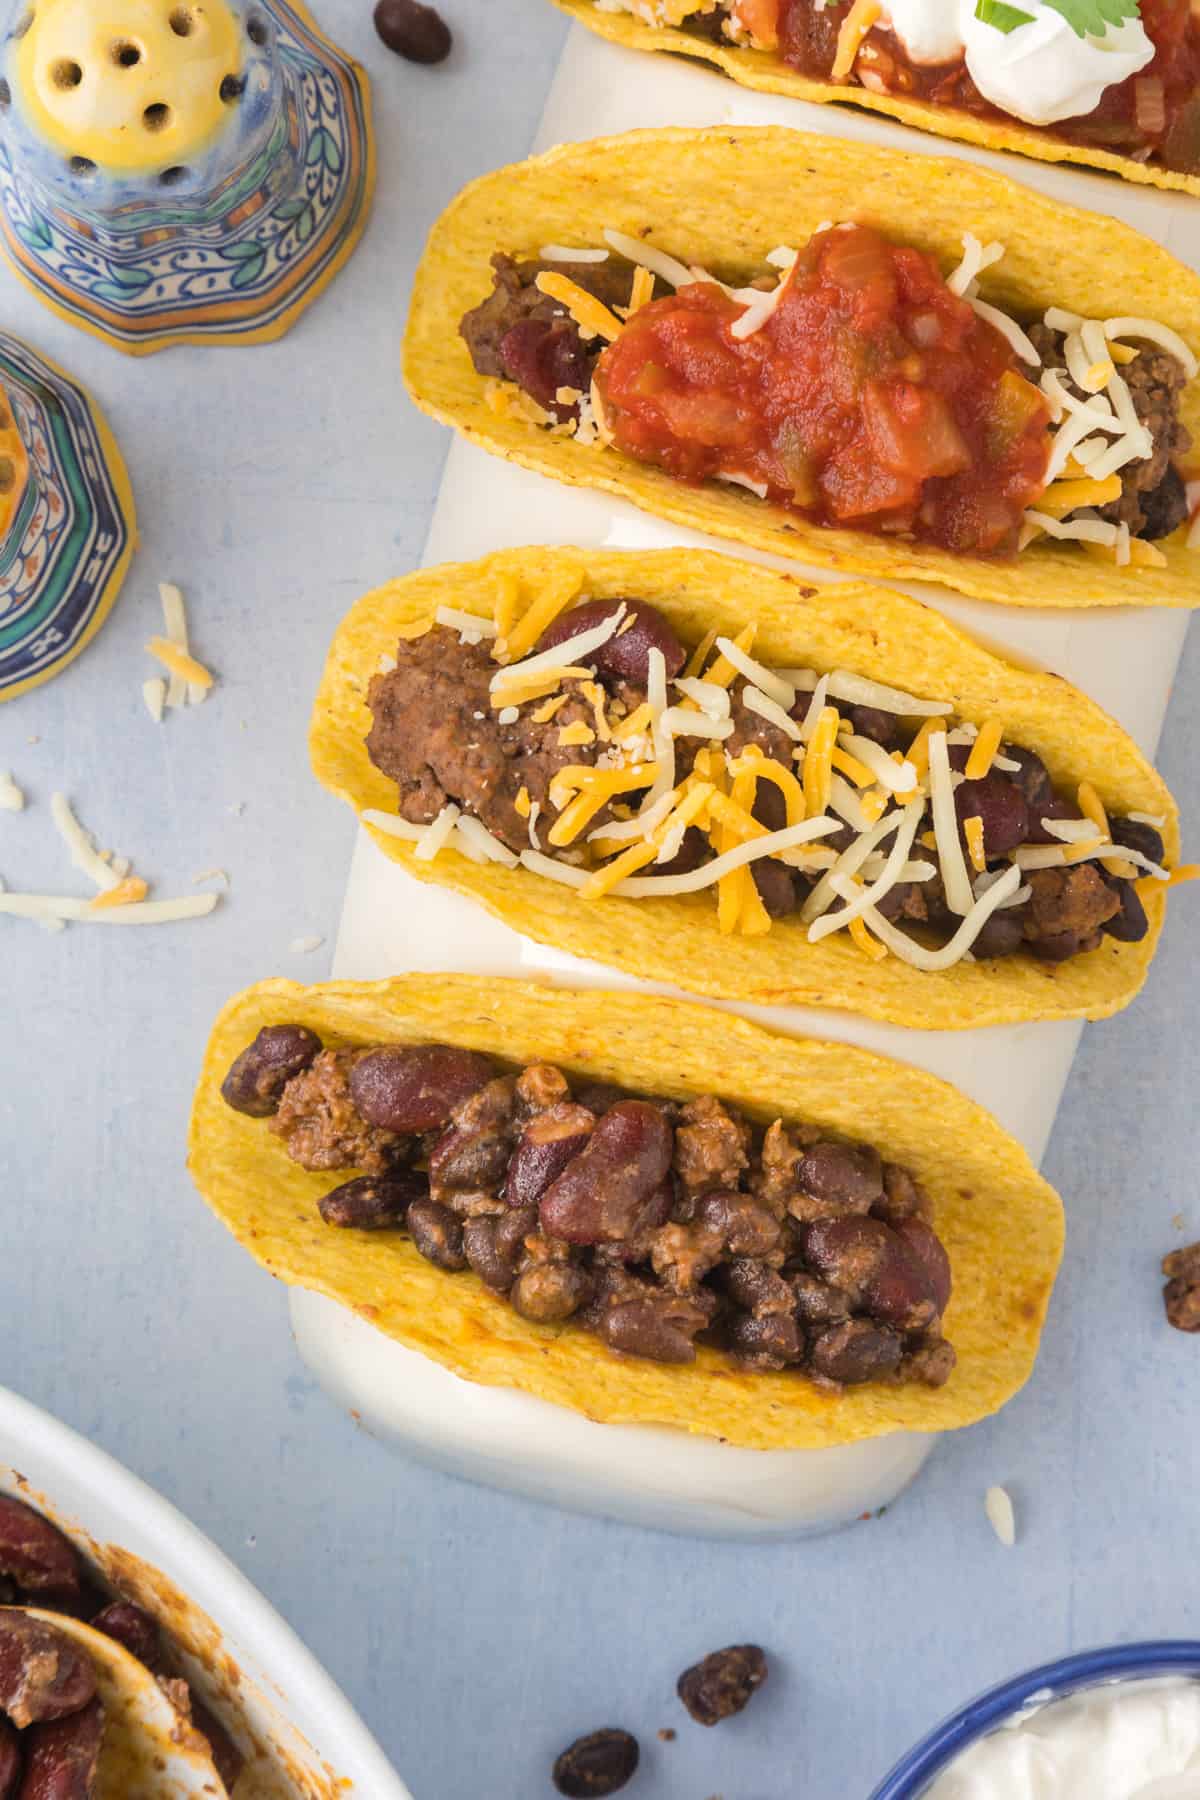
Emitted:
<point x="957" y="882"/>
<point x="766" y="680"/>
<point x="59" y="908"/>
<point x="154" y="693"/>
<point x="80" y="845"/>
<point x="465" y="623"/>
<point x="11" y="797"/>
<point x="997" y="1503"/>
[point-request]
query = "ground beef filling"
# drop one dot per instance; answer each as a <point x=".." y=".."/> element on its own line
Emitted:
<point x="436" y="735"/>
<point x="653" y="1223"/>
<point x="519" y="334"/>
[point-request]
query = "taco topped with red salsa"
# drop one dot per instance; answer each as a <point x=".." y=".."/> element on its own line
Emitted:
<point x="846" y="392"/>
<point x="1113" y="84"/>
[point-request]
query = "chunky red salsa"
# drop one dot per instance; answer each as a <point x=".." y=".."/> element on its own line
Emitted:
<point x="1154" y="115"/>
<point x="872" y="397"/>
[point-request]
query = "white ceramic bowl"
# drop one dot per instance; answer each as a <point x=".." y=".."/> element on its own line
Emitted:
<point x="236" y="1650"/>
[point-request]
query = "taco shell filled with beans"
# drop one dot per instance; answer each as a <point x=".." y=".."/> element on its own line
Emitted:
<point x="706" y="773"/>
<point x="878" y="362"/>
<point x="782" y="1243"/>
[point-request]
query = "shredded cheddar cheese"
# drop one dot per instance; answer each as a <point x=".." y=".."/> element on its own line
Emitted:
<point x="973" y="832"/>
<point x="178" y="662"/>
<point x="519" y="689"/>
<point x="983" y="750"/>
<point x="505" y="605"/>
<point x="852" y="769"/>
<point x="855" y="26"/>
<point x="767" y="769"/>
<point x="638" y="722"/>
<point x="543" y="714"/>
<point x="602" y="881"/>
<point x="126" y="893"/>
<point x="818" y="764"/>
<point x="1062" y="497"/>
<point x="701" y="653"/>
<point x="577" y="733"/>
<point x="525" y="631"/>
<point x="1092" y="807"/>
<point x="643" y="290"/>
<point x="870" y="946"/>
<point x="588" y="312"/>
<point x="522" y="803"/>
<point x="723" y="671"/>
<point x="918" y="750"/>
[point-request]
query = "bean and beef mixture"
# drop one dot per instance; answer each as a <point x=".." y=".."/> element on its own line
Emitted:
<point x="961" y="836"/>
<point x="855" y="384"/>
<point x="51" y="1721"/>
<point x="652" y="1223"/>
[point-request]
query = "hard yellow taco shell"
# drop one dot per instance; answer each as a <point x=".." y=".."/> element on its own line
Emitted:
<point x="1001" y="1223"/>
<point x="870" y="631"/>
<point x="764" y="71"/>
<point x="724" y="199"/>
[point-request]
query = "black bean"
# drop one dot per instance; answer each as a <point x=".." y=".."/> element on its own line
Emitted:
<point x="437" y="1234"/>
<point x="776" y="888"/>
<point x="416" y="32"/>
<point x="875" y="1266"/>
<point x="1130" y="925"/>
<point x="756" y="1288"/>
<point x="255" y="1083"/>
<point x="856" y="1351"/>
<point x="930" y="1252"/>
<point x="1134" y="835"/>
<point x="881" y="727"/>
<point x="493" y="1248"/>
<point x="601" y="1763"/>
<point x="770" y="1342"/>
<point x="723" y="1683"/>
<point x="1001" y="934"/>
<point x="373" y="1202"/>
<point x="818" y="1303"/>
<point x="550" y="1292"/>
<point x="659" y="1327"/>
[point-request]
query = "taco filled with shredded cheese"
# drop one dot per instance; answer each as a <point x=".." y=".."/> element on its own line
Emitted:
<point x="1110" y="84"/>
<point x="706" y="773"/>
<point x="646" y="1211"/>
<point x="884" y="363"/>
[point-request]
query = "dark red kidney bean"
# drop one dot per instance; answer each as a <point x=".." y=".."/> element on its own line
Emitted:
<point x="227" y="1758"/>
<point x="881" y="727"/>
<point x="36" y="1556"/>
<point x="42" y="1674"/>
<point x="416" y="1088"/>
<point x="601" y="1763"/>
<point x="745" y="1227"/>
<point x="1136" y="836"/>
<point x="660" y="1328"/>
<point x="856" y="1351"/>
<point x="604" y="1193"/>
<point x="418" y="33"/>
<point x="437" y="1234"/>
<point x="1001" y="935"/>
<point x="374" y="1202"/>
<point x="1130" y="925"/>
<point x="930" y="1252"/>
<point x="1002" y="807"/>
<point x="723" y="1683"/>
<point x="133" y="1628"/>
<point x="10" y="1761"/>
<point x="776" y="888"/>
<point x="62" y="1758"/>
<point x="1052" y="807"/>
<point x="544" y="355"/>
<point x="626" y="656"/>
<point x="551" y="1292"/>
<point x="546" y="1145"/>
<point x="846" y="1174"/>
<point x="875" y="1266"/>
<point x="770" y="1342"/>
<point x="255" y="1083"/>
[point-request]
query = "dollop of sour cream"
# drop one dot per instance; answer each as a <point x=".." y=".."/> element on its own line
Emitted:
<point x="1131" y="1740"/>
<point x="1040" y="72"/>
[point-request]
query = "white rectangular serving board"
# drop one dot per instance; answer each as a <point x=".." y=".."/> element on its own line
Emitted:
<point x="1126" y="660"/>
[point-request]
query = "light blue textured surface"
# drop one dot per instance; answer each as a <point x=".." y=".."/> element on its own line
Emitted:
<point x="479" y="1634"/>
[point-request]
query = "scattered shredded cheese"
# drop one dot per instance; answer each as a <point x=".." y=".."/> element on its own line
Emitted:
<point x="590" y="314"/>
<point x="11" y="797"/>
<point x="154" y="693"/>
<point x="997" y="1503"/>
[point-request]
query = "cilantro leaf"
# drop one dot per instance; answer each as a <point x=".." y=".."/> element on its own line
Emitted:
<point x="1005" y="18"/>
<point x="1092" y="18"/>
